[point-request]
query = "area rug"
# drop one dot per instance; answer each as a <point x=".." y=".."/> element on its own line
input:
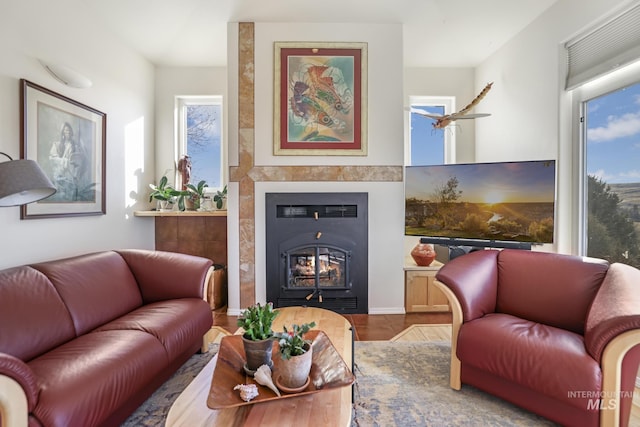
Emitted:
<point x="407" y="384"/>
<point x="397" y="384"/>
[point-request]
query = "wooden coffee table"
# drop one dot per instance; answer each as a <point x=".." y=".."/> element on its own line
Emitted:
<point x="331" y="407"/>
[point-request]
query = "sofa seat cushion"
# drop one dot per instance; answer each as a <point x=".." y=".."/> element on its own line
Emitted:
<point x="175" y="323"/>
<point x="522" y="351"/>
<point x="83" y="381"/>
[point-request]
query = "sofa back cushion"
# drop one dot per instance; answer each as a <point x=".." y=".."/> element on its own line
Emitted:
<point x="96" y="288"/>
<point x="33" y="317"/>
<point x="548" y="288"/>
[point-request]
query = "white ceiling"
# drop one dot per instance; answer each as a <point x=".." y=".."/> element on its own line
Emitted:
<point x="437" y="33"/>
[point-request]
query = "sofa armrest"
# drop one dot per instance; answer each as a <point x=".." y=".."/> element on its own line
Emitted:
<point x="473" y="279"/>
<point x="13" y="403"/>
<point x="614" y="310"/>
<point x="18" y="391"/>
<point x="167" y="275"/>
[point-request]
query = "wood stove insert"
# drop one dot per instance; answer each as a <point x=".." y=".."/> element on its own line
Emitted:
<point x="317" y="250"/>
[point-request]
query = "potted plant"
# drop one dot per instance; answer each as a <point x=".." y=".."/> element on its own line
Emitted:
<point x="257" y="321"/>
<point x="166" y="195"/>
<point x="220" y="197"/>
<point x="296" y="353"/>
<point x="197" y="193"/>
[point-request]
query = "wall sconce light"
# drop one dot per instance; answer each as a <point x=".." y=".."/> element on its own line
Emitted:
<point x="67" y="76"/>
<point x="22" y="181"/>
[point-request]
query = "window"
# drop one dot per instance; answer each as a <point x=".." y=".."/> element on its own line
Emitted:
<point x="429" y="146"/>
<point x="602" y="75"/>
<point x="200" y="137"/>
<point x="610" y="160"/>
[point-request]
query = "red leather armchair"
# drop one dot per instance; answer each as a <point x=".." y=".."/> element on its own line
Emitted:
<point x="555" y="334"/>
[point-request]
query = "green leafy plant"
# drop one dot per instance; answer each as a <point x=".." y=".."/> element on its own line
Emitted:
<point x="257" y="321"/>
<point x="220" y="197"/>
<point x="292" y="341"/>
<point x="165" y="192"/>
<point x="197" y="192"/>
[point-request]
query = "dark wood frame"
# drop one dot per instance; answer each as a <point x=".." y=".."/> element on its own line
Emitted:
<point x="354" y="115"/>
<point x="43" y="113"/>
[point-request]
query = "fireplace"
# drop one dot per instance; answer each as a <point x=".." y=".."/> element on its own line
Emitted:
<point x="317" y="250"/>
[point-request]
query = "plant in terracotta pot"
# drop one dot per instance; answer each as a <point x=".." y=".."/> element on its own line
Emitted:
<point x="296" y="353"/>
<point x="257" y="321"/>
<point x="197" y="193"/>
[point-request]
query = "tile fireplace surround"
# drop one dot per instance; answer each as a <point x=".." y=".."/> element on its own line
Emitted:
<point x="246" y="174"/>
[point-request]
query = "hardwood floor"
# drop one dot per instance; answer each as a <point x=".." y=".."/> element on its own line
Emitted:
<point x="368" y="327"/>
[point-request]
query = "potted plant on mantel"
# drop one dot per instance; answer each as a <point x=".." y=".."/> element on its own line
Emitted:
<point x="220" y="197"/>
<point x="297" y="354"/>
<point x="197" y="193"/>
<point x="257" y="321"/>
<point x="167" y="196"/>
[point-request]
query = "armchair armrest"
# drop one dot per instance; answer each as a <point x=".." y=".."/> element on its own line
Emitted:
<point x="614" y="310"/>
<point x="612" y="337"/>
<point x="455" y="381"/>
<point x="18" y="391"/>
<point x="473" y="279"/>
<point x="167" y="275"/>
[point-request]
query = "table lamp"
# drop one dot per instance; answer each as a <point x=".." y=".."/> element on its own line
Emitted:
<point x="22" y="181"/>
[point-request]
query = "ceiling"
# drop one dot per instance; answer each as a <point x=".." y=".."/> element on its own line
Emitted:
<point x="437" y="33"/>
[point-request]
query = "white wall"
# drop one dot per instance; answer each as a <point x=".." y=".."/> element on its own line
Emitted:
<point x="122" y="88"/>
<point x="530" y="113"/>
<point x="170" y="83"/>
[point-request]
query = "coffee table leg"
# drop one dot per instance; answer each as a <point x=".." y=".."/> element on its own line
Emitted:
<point x="353" y="362"/>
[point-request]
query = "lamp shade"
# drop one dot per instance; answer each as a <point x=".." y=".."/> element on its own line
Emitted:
<point x="22" y="181"/>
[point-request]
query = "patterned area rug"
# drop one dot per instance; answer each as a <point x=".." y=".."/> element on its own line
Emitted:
<point x="407" y="384"/>
<point x="397" y="384"/>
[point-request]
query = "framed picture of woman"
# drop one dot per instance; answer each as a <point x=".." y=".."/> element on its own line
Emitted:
<point x="68" y="140"/>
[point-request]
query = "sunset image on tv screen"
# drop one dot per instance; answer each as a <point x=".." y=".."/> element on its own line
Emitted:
<point x="507" y="201"/>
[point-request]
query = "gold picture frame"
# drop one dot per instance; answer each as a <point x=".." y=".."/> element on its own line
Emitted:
<point x="320" y="99"/>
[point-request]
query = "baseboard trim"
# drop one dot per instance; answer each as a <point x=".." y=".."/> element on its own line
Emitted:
<point x="387" y="310"/>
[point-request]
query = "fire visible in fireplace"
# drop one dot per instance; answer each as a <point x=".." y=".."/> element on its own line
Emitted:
<point x="317" y="264"/>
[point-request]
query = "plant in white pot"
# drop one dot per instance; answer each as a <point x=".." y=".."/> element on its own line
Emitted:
<point x="220" y="197"/>
<point x="257" y="321"/>
<point x="166" y="195"/>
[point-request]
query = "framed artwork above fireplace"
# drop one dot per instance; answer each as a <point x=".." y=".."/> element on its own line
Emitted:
<point x="320" y="99"/>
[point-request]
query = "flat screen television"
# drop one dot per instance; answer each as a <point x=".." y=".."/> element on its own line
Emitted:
<point x="502" y="204"/>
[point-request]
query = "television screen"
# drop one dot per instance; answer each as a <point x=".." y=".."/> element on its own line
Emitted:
<point x="506" y="201"/>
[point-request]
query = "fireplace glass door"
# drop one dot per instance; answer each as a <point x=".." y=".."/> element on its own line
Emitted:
<point x="317" y="267"/>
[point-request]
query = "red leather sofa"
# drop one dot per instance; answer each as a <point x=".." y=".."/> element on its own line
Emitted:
<point x="85" y="340"/>
<point x="555" y="334"/>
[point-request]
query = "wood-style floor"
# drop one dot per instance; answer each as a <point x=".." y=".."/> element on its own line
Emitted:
<point x="368" y="327"/>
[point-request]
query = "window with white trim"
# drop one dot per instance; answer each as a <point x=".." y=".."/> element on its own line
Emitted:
<point x="603" y="66"/>
<point x="429" y="146"/>
<point x="610" y="170"/>
<point x="199" y="135"/>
